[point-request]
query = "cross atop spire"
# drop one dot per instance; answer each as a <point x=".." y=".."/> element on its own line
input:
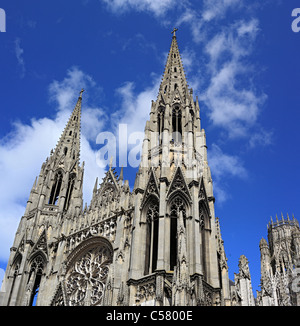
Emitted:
<point x="174" y="31"/>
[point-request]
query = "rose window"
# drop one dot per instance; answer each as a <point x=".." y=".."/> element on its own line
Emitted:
<point x="86" y="280"/>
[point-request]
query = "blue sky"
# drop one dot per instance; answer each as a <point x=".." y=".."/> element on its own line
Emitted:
<point x="241" y="58"/>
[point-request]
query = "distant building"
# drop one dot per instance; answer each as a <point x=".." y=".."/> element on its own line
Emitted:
<point x="280" y="264"/>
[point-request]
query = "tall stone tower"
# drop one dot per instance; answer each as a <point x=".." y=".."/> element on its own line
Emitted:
<point x="157" y="245"/>
<point x="280" y="264"/>
<point x="55" y="196"/>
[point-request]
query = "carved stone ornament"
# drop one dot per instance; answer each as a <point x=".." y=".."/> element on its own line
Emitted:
<point x="85" y="281"/>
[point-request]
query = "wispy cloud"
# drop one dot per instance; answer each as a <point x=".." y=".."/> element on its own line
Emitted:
<point x="218" y="8"/>
<point x="223" y="167"/>
<point x="19" y="51"/>
<point x="261" y="138"/>
<point x="156" y="7"/>
<point x="231" y="98"/>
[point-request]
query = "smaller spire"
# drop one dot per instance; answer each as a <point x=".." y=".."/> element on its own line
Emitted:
<point x="34" y="184"/>
<point x="121" y="174"/>
<point x="95" y="186"/>
<point x="69" y="142"/>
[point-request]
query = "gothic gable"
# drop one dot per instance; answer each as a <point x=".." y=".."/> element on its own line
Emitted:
<point x="202" y="196"/>
<point x="151" y="189"/>
<point x="179" y="185"/>
<point x="41" y="245"/>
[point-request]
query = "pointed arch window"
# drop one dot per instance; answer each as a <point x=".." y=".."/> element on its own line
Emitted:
<point x="69" y="191"/>
<point x="176" y="124"/>
<point x="55" y="188"/>
<point x="205" y="231"/>
<point x="152" y="220"/>
<point x="34" y="280"/>
<point x="193" y="122"/>
<point x="177" y="206"/>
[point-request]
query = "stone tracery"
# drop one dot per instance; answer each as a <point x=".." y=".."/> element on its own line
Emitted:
<point x="86" y="279"/>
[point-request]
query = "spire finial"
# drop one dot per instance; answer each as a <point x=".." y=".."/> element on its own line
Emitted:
<point x="82" y="90"/>
<point x="174" y="31"/>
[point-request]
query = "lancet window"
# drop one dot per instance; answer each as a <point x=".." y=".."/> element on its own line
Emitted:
<point x="176" y="124"/>
<point x="69" y="191"/>
<point x="152" y="219"/>
<point x="55" y="188"/>
<point x="34" y="280"/>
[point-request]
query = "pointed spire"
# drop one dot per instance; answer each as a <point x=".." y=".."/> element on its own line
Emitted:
<point x="95" y="186"/>
<point x="174" y="76"/>
<point x="34" y="184"/>
<point x="121" y="177"/>
<point x="69" y="142"/>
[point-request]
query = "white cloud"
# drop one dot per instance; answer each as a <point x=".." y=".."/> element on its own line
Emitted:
<point x="261" y="138"/>
<point x="224" y="166"/>
<point x="137" y="105"/>
<point x="134" y="112"/>
<point x="157" y="7"/>
<point x="26" y="147"/>
<point x="232" y="101"/>
<point x="63" y="92"/>
<point x="19" y="55"/>
<point x="215" y="9"/>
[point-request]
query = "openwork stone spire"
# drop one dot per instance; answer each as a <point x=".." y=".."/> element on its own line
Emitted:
<point x="69" y="142"/>
<point x="174" y="76"/>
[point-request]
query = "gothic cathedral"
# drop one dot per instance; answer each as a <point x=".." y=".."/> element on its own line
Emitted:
<point x="159" y="244"/>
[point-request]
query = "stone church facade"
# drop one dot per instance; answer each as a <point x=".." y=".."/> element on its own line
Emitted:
<point x="159" y="244"/>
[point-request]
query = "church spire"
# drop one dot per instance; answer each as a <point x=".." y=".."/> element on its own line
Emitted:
<point x="69" y="142"/>
<point x="174" y="77"/>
